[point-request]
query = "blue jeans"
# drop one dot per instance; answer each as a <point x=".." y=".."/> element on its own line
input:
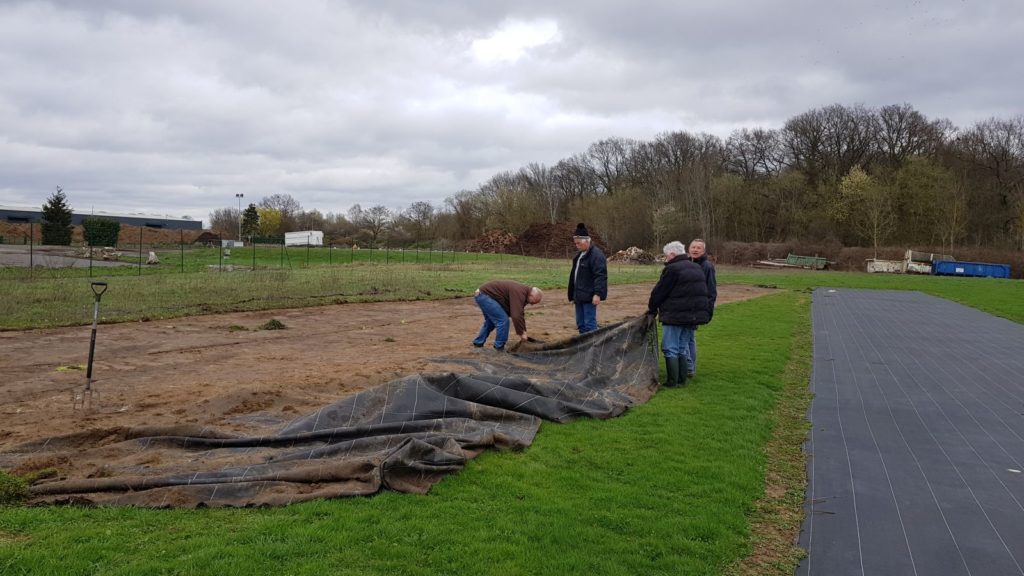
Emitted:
<point x="675" y="343"/>
<point x="586" y="317"/>
<point x="495" y="317"/>
<point x="692" y="346"/>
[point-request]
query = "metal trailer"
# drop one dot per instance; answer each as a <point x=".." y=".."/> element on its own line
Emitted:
<point x="304" y="238"/>
<point x="974" y="269"/>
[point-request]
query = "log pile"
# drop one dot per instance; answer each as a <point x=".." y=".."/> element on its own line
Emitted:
<point x="494" y="242"/>
<point x="553" y="241"/>
<point x="633" y="255"/>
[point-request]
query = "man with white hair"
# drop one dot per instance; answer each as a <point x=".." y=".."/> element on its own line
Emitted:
<point x="680" y="299"/>
<point x="499" y="301"/>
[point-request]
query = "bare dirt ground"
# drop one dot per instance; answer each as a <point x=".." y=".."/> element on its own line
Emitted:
<point x="223" y="371"/>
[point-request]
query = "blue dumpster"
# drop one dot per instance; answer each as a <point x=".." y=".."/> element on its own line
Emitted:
<point x="956" y="268"/>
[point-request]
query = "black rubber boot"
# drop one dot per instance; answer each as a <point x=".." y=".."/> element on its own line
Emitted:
<point x="672" y="372"/>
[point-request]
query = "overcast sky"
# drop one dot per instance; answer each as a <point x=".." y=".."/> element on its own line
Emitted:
<point x="174" y="106"/>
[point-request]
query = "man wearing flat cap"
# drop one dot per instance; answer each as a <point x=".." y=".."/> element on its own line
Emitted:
<point x="588" y="280"/>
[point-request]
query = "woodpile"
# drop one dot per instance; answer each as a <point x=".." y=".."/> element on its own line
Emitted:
<point x="97" y="253"/>
<point x="633" y="255"/>
<point x="495" y="242"/>
<point x="553" y="241"/>
<point x="208" y="238"/>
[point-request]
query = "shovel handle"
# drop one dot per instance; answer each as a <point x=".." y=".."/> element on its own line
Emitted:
<point x="98" y="288"/>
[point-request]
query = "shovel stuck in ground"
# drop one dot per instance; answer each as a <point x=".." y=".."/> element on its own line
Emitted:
<point x="84" y="398"/>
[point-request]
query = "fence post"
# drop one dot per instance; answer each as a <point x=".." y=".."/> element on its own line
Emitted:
<point x="253" y="240"/>
<point x="90" y="260"/>
<point x="307" y="249"/>
<point x="31" y="249"/>
<point x="181" y="243"/>
<point x="330" y="253"/>
<point x="387" y="252"/>
<point x="282" y="252"/>
<point x="140" y="250"/>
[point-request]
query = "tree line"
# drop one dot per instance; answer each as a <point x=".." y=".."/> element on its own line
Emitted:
<point x="855" y="175"/>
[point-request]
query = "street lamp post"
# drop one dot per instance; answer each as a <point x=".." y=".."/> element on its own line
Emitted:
<point x="239" y="195"/>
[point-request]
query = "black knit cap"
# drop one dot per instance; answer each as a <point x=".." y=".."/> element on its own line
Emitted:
<point x="581" y="231"/>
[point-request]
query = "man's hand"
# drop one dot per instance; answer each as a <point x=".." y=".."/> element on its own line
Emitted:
<point x="595" y="300"/>
<point x="523" y="337"/>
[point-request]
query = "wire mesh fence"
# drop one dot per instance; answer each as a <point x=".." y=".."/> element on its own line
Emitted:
<point x="29" y="260"/>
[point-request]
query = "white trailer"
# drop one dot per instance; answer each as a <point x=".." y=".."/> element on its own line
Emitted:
<point x="304" y="238"/>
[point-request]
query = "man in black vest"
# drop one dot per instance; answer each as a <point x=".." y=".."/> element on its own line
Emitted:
<point x="588" y="280"/>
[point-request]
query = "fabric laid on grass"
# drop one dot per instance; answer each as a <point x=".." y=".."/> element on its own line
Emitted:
<point x="404" y="435"/>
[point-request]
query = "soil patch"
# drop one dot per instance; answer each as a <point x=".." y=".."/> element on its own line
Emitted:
<point x="239" y="381"/>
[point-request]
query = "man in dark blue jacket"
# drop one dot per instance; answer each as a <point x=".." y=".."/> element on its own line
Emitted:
<point x="588" y="280"/>
<point x="698" y="256"/>
<point x="680" y="299"/>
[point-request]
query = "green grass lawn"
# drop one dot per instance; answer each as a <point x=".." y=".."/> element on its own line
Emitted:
<point x="47" y="301"/>
<point x="188" y="259"/>
<point x="1000" y="297"/>
<point x="676" y="486"/>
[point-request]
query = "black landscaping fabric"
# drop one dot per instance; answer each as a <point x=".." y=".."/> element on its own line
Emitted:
<point x="404" y="435"/>
<point x="917" y="445"/>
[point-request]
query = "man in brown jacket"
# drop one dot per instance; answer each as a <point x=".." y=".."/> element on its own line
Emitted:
<point x="500" y="300"/>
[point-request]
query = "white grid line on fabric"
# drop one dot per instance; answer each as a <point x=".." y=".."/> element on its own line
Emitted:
<point x="352" y="412"/>
<point x="316" y="422"/>
<point x="384" y="408"/>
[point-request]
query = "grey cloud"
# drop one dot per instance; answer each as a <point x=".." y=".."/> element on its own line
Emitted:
<point x="176" y="105"/>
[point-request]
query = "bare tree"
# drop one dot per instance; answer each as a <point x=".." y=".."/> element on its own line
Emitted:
<point x="224" y="222"/>
<point x="310" y="220"/>
<point x="418" y="221"/>
<point x="574" y="178"/>
<point x="468" y="215"/>
<point x="540" y="181"/>
<point x="850" y="134"/>
<point x="374" y="220"/>
<point x="754" y="154"/>
<point x="288" y="207"/>
<point x="904" y="132"/>
<point x="804" y="139"/>
<point x="610" y="159"/>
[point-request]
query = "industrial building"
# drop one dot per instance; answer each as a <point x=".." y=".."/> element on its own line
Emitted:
<point x="23" y="215"/>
